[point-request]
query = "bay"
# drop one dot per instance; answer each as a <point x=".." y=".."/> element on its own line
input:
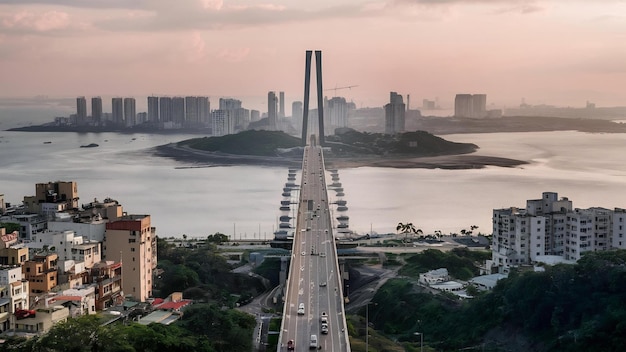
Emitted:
<point x="244" y="201"/>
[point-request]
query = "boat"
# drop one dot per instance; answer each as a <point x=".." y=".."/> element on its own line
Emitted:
<point x="339" y="189"/>
<point x="341" y="202"/>
<point x="285" y="208"/>
<point x="286" y="194"/>
<point x="342" y="226"/>
<point x="90" y="145"/>
<point x="285" y="218"/>
<point x="340" y="194"/>
<point x="285" y="202"/>
<point x="343" y="218"/>
<point x="284" y="225"/>
<point x="47" y="142"/>
<point x="342" y="208"/>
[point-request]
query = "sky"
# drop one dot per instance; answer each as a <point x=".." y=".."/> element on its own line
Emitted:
<point x="560" y="52"/>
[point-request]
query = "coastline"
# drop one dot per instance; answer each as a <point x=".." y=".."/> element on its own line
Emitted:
<point x="450" y="162"/>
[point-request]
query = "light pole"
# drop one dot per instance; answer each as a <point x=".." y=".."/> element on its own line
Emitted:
<point x="421" y="340"/>
<point x="367" y="324"/>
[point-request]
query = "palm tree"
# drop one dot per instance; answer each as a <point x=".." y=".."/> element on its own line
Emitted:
<point x="406" y="229"/>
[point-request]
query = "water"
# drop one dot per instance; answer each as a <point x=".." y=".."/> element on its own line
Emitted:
<point x="589" y="169"/>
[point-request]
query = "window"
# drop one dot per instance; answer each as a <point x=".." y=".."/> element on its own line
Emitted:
<point x="132" y="249"/>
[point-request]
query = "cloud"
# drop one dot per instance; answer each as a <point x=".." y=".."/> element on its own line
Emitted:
<point x="233" y="55"/>
<point x="36" y="22"/>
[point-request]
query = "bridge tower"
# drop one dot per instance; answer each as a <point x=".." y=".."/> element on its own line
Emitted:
<point x="320" y="97"/>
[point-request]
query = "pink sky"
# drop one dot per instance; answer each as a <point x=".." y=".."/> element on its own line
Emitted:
<point x="561" y="52"/>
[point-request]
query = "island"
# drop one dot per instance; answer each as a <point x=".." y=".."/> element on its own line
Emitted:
<point x="346" y="148"/>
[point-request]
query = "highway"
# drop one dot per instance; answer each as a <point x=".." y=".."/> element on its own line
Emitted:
<point x="313" y="279"/>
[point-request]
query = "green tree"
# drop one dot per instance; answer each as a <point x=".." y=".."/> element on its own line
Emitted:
<point x="407" y="229"/>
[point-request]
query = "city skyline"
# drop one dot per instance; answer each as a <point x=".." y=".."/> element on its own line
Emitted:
<point x="555" y="52"/>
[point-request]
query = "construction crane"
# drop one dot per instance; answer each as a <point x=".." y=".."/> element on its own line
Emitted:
<point x="338" y="88"/>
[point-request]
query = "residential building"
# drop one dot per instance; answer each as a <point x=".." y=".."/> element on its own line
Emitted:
<point x="223" y="122"/>
<point x="281" y="104"/>
<point x="81" y="111"/>
<point x="337" y="111"/>
<point x="130" y="114"/>
<point x="550" y="230"/>
<point x="153" y="109"/>
<point x="165" y="109"/>
<point x="470" y="105"/>
<point x="96" y="110"/>
<point x="68" y="246"/>
<point x="11" y="252"/>
<point x="134" y="241"/>
<point x="43" y="320"/>
<point x="272" y="111"/>
<point x="107" y="276"/>
<point x="395" y="114"/>
<point x="41" y="273"/>
<point x="117" y="111"/>
<point x="178" y="111"/>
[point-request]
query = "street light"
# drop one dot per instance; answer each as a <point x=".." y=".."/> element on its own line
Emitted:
<point x="367" y="324"/>
<point x="421" y="340"/>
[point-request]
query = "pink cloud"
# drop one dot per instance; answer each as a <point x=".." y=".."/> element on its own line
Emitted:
<point x="39" y="22"/>
<point x="233" y="55"/>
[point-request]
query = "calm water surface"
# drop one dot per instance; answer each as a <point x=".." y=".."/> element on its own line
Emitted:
<point x="590" y="169"/>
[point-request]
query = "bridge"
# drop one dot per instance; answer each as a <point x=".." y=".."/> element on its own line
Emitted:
<point x="313" y="312"/>
<point x="314" y="281"/>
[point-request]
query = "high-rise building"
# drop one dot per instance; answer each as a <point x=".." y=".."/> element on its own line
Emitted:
<point x="255" y="115"/>
<point x="296" y="115"/>
<point x="229" y="104"/>
<point x="204" y="111"/>
<point x="281" y="111"/>
<point x="134" y="241"/>
<point x="178" y="111"/>
<point x="165" y="109"/>
<point x="117" y="111"/>
<point x="81" y="111"/>
<point x="191" y="111"/>
<point x="552" y="230"/>
<point x="394" y="114"/>
<point x="337" y="112"/>
<point x="153" y="109"/>
<point x="130" y="114"/>
<point x="223" y="122"/>
<point x="472" y="106"/>
<point x="96" y="110"/>
<point x="272" y="110"/>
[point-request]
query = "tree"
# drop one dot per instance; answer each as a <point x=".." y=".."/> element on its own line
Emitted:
<point x="407" y="229"/>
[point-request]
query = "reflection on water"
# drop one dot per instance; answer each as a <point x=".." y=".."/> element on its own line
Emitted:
<point x="590" y="169"/>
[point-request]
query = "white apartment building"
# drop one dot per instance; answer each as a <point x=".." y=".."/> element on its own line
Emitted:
<point x="68" y="246"/>
<point x="551" y="230"/>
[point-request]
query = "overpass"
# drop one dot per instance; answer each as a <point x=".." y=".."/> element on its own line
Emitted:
<point x="314" y="281"/>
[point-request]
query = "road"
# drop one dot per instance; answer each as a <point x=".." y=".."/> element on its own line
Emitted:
<point x="313" y="279"/>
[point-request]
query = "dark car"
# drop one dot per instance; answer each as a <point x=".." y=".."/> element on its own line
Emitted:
<point x="290" y="346"/>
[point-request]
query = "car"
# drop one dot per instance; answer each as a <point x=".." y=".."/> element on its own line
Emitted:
<point x="291" y="346"/>
<point x="322" y="254"/>
<point x="324" y="328"/>
<point x="323" y="284"/>
<point x="301" y="309"/>
<point x="303" y="253"/>
<point x="313" y="345"/>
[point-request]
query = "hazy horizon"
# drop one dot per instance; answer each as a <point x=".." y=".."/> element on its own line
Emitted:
<point x="555" y="52"/>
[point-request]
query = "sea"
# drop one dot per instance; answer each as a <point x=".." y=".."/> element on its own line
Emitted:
<point x="243" y="202"/>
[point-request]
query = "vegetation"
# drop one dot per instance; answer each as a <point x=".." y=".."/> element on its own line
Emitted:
<point x="565" y="308"/>
<point x="461" y="263"/>
<point x="419" y="143"/>
<point x="408" y="228"/>
<point x="202" y="273"/>
<point x="10" y="226"/>
<point x="259" y="143"/>
<point x="203" y="327"/>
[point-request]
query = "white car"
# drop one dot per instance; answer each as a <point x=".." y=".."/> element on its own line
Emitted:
<point x="301" y="309"/>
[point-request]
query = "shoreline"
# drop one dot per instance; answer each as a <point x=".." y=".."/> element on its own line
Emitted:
<point x="448" y="162"/>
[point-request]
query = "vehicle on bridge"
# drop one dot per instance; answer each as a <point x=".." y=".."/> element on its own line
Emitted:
<point x="301" y="309"/>
<point x="291" y="346"/>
